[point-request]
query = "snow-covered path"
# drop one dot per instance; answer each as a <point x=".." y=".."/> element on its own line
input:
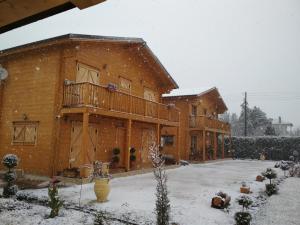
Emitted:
<point x="284" y="208"/>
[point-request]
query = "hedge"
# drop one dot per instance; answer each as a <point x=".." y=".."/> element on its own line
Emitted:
<point x="276" y="148"/>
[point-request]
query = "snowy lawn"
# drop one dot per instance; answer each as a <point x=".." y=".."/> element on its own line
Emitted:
<point x="190" y="191"/>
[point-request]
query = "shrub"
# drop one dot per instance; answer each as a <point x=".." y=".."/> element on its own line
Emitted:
<point x="270" y="174"/>
<point x="132" y="158"/>
<point x="243" y="218"/>
<point x="284" y="166"/>
<point x="54" y="202"/>
<point x="10" y="189"/>
<point x="116" y="151"/>
<point x="295" y="170"/>
<point x="162" y="208"/>
<point x="132" y="150"/>
<point x="115" y="159"/>
<point x="271" y="189"/>
<point x="10" y="161"/>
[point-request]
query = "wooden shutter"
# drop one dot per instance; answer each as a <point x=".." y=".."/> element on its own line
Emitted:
<point x="18" y="133"/>
<point x="30" y="134"/>
<point x="87" y="74"/>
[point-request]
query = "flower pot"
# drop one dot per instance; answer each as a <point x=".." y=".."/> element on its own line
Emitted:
<point x="101" y="189"/>
<point x="245" y="190"/>
<point x="260" y="178"/>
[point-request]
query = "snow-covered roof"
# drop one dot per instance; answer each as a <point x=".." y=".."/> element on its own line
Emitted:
<point x="189" y="91"/>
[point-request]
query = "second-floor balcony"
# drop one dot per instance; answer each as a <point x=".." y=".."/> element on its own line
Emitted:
<point x="204" y="122"/>
<point x="97" y="96"/>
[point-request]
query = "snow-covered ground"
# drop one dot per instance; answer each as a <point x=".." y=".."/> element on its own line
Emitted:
<point x="190" y="191"/>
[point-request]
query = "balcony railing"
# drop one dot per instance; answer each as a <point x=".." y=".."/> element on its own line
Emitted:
<point x="206" y="122"/>
<point x="88" y="94"/>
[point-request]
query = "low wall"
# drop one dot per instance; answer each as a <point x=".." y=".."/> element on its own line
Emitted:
<point x="276" y="148"/>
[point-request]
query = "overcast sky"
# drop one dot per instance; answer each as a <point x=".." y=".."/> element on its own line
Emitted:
<point x="235" y="45"/>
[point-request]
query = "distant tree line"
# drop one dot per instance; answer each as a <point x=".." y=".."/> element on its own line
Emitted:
<point x="258" y="124"/>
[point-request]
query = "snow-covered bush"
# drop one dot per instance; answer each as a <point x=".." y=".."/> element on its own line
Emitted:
<point x="54" y="202"/>
<point x="162" y="208"/>
<point x="270" y="188"/>
<point x="284" y="166"/>
<point x="243" y="217"/>
<point x="10" y="161"/>
<point x="295" y="170"/>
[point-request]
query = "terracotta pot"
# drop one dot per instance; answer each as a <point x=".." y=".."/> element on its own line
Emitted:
<point x="260" y="178"/>
<point x="245" y="190"/>
<point x="101" y="189"/>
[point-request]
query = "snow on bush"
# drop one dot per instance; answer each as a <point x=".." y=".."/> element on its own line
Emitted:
<point x="10" y="161"/>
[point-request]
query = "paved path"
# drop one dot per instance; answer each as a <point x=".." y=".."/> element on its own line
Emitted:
<point x="284" y="208"/>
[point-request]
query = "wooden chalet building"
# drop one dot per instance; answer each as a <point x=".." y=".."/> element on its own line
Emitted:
<point x="72" y="99"/>
<point x="201" y="132"/>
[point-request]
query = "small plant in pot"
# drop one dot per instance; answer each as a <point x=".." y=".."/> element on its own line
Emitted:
<point x="243" y="217"/>
<point x="101" y="178"/>
<point x="10" y="161"/>
<point x="270" y="188"/>
<point x="116" y="157"/>
<point x="132" y="158"/>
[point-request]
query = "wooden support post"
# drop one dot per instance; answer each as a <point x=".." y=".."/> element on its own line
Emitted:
<point x="215" y="145"/>
<point x="223" y="153"/>
<point x="204" y="145"/>
<point x="178" y="144"/>
<point x="128" y="145"/>
<point x="158" y="134"/>
<point x="84" y="172"/>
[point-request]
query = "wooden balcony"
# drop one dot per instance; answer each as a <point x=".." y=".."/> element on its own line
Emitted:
<point x="203" y="122"/>
<point x="101" y="100"/>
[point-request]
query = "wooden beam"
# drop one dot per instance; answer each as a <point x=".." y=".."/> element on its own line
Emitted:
<point x="158" y="134"/>
<point x="178" y="143"/>
<point x="204" y="145"/>
<point x="215" y="145"/>
<point x="84" y="144"/>
<point x="128" y="145"/>
<point x="223" y="153"/>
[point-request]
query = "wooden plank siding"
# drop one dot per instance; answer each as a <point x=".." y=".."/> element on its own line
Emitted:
<point x="37" y="90"/>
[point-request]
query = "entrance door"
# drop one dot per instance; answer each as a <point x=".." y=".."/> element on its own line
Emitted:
<point x="148" y="137"/>
<point x="76" y="140"/>
<point x="121" y="142"/>
<point x="193" y="146"/>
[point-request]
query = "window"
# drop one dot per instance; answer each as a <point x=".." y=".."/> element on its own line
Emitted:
<point x="25" y="132"/>
<point x="125" y="84"/>
<point x="168" y="140"/>
<point x="194" y="110"/>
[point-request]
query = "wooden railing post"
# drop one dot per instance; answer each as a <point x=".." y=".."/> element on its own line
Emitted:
<point x="84" y="144"/>
<point x="223" y="154"/>
<point x="128" y="145"/>
<point x="215" y="145"/>
<point x="204" y="145"/>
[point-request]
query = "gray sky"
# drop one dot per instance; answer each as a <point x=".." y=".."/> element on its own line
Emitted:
<point x="235" y="45"/>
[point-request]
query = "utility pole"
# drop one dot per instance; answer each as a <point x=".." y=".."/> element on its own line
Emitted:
<point x="245" y="109"/>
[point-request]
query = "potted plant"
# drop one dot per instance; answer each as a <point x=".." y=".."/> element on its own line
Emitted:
<point x="132" y="158"/>
<point x="244" y="188"/>
<point x="270" y="188"/>
<point x="243" y="217"/>
<point x="101" y="177"/>
<point x="116" y="157"/>
<point x="10" y="161"/>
